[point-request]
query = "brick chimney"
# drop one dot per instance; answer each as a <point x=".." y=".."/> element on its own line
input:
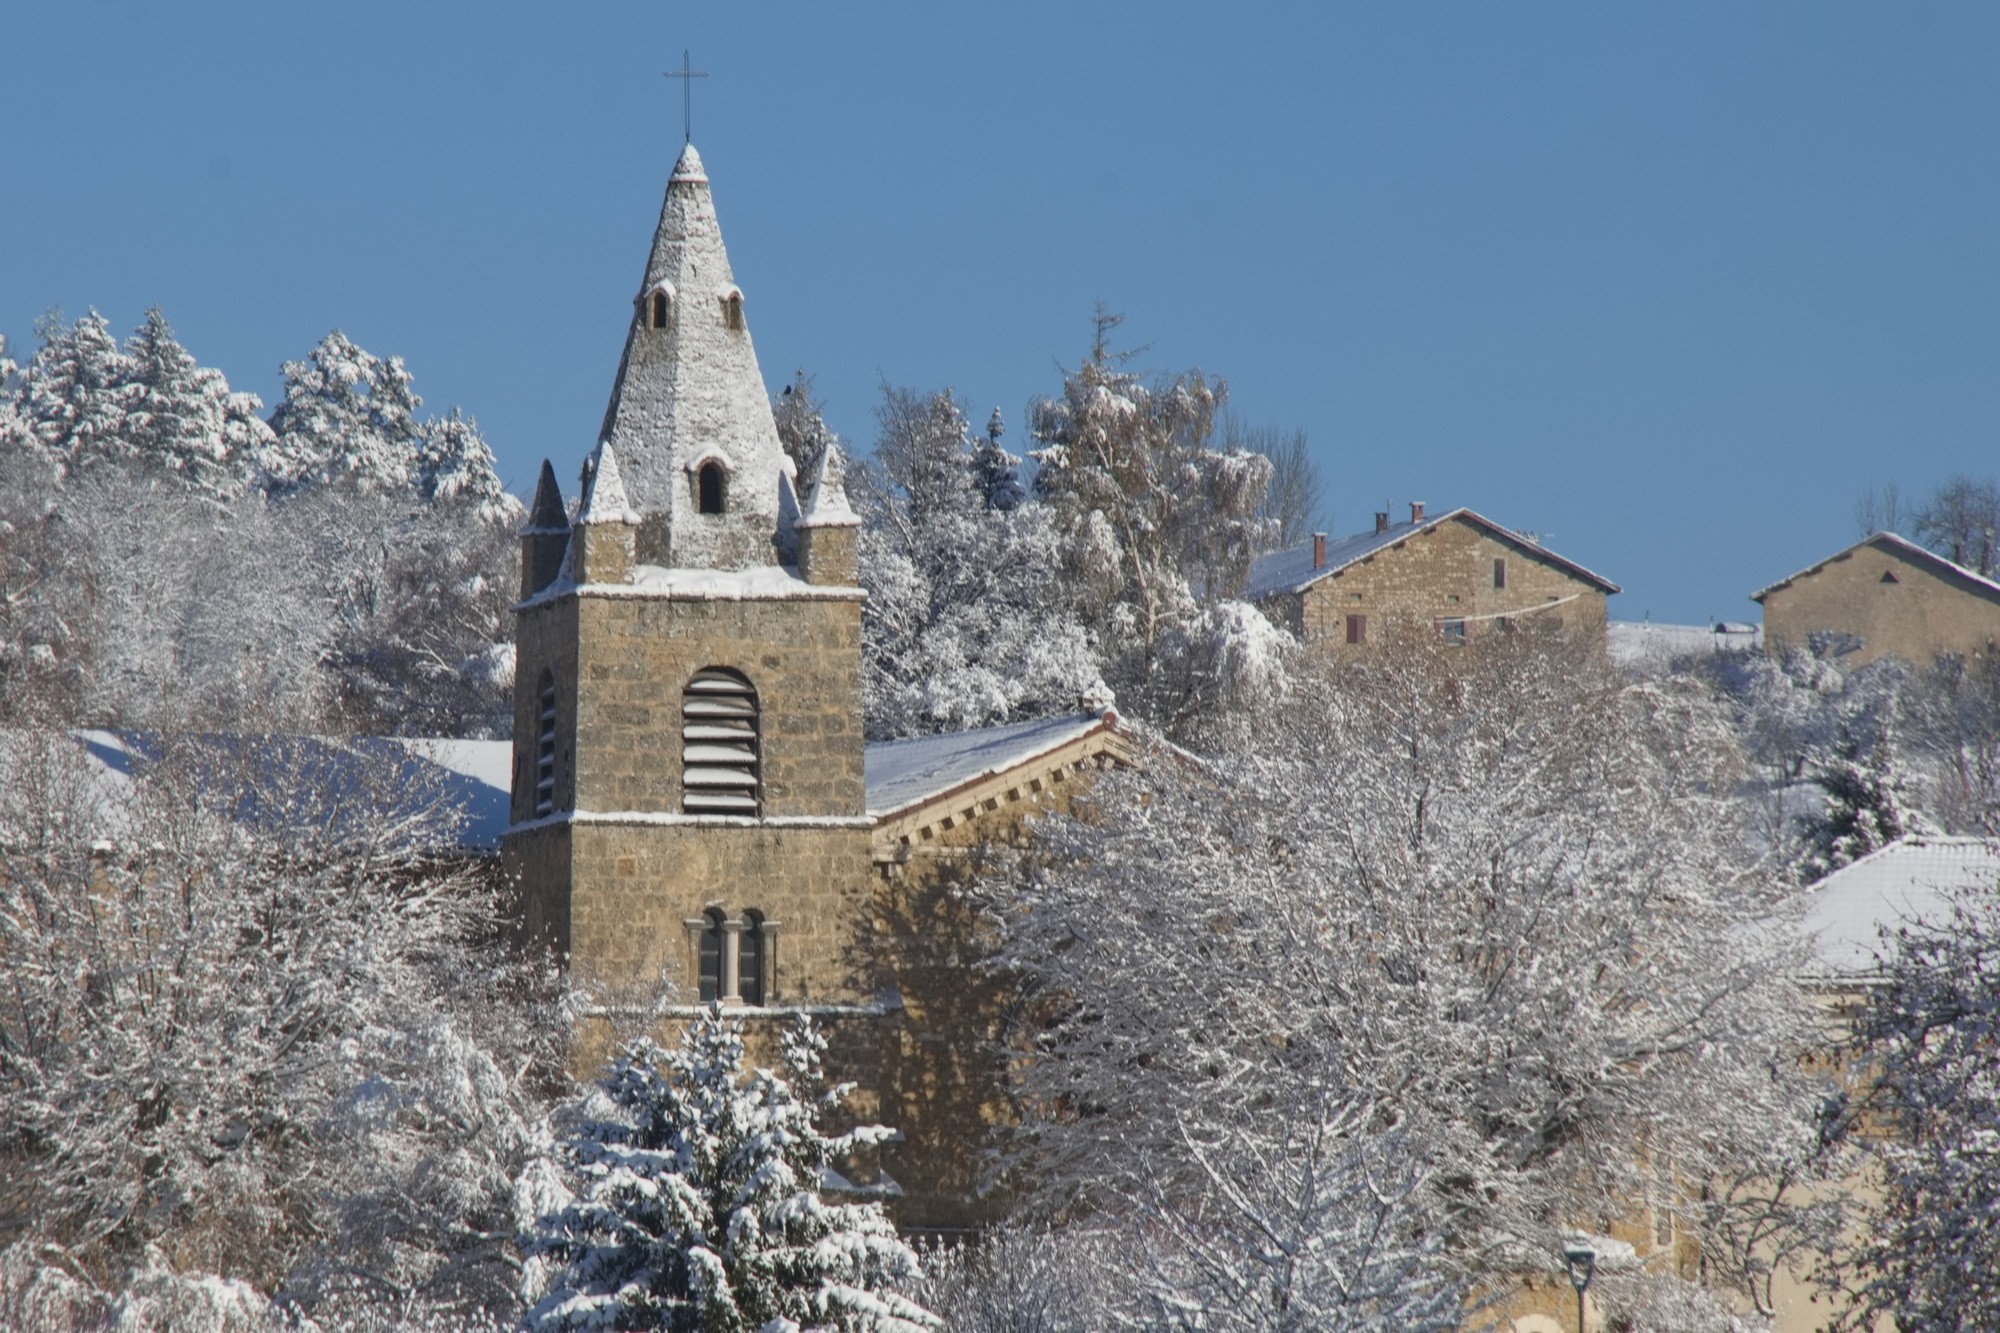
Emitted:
<point x="1416" y="511"/>
<point x="1381" y="520"/>
<point x="1319" y="550"/>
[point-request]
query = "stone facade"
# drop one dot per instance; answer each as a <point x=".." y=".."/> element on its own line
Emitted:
<point x="1459" y="574"/>
<point x="1896" y="597"/>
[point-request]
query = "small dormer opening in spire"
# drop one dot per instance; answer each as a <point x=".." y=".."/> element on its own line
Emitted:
<point x="732" y="310"/>
<point x="657" y="311"/>
<point x="710" y="487"/>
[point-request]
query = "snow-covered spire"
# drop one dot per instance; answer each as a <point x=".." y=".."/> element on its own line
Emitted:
<point x="689" y="385"/>
<point x="546" y="513"/>
<point x="827" y="507"/>
<point x="606" y="501"/>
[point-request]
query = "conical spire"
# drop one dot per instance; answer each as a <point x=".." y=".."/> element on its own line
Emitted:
<point x="689" y="391"/>
<point x="828" y="507"/>
<point x="546" y="513"/>
<point x="606" y="501"/>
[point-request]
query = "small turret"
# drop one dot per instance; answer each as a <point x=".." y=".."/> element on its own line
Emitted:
<point x="829" y="529"/>
<point x="601" y="539"/>
<point x="546" y="535"/>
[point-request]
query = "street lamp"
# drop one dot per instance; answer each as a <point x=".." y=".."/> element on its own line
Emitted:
<point x="1581" y="1261"/>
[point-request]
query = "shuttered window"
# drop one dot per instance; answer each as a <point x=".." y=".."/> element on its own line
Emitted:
<point x="1357" y="629"/>
<point x="750" y="959"/>
<point x="545" y="746"/>
<point x="719" y="744"/>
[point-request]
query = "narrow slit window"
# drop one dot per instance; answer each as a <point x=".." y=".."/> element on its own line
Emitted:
<point x="732" y="311"/>
<point x="709" y="487"/>
<point x="659" y="310"/>
<point x="750" y="959"/>
<point x="710" y="963"/>
<point x="1500" y="572"/>
<point x="719" y="744"/>
<point x="545" y="746"/>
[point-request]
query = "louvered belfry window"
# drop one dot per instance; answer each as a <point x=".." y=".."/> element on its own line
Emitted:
<point x="719" y="744"/>
<point x="545" y="746"/>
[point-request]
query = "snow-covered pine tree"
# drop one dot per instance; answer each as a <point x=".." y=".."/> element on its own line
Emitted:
<point x="455" y="467"/>
<point x="801" y="429"/>
<point x="348" y="417"/>
<point x="995" y="472"/>
<point x="967" y="623"/>
<point x="182" y="418"/>
<point x="1867" y="805"/>
<point x="73" y="402"/>
<point x="699" y="1203"/>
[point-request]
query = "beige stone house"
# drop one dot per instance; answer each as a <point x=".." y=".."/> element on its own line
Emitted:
<point x="1898" y="598"/>
<point x="1458" y="573"/>
<point x="692" y="811"/>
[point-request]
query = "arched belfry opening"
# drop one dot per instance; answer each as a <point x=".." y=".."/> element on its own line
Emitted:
<point x="732" y="311"/>
<point x="719" y="751"/>
<point x="711" y="487"/>
<point x="658" y="310"/>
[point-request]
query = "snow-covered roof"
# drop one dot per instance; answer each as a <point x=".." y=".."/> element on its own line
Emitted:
<point x="901" y="774"/>
<point x="605" y="501"/>
<point x="1895" y="545"/>
<point x="1910" y="879"/>
<point x="1293" y="570"/>
<point x="688" y="167"/>
<point x="312" y="772"/>
<point x="1635" y="642"/>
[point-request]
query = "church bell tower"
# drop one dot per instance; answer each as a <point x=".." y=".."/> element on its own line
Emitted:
<point x="687" y="800"/>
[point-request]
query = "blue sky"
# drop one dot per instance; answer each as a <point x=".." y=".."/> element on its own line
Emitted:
<point x="1667" y="283"/>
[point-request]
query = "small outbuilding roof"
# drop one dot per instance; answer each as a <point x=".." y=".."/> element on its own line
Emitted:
<point x="1912" y="879"/>
<point x="1293" y="569"/>
<point x="1895" y="544"/>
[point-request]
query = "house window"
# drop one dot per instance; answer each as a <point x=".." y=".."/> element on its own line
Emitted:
<point x="709" y="960"/>
<point x="750" y="959"/>
<point x="708" y="481"/>
<point x="1452" y="630"/>
<point x="545" y="746"/>
<point x="1357" y="629"/>
<point x="1500" y="572"/>
<point x="719" y="751"/>
<point x="658" y="310"/>
<point x="732" y="311"/>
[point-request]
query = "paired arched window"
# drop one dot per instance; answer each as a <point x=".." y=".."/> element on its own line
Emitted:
<point x="710" y="484"/>
<point x="719" y="752"/>
<point x="545" y="745"/>
<point x="733" y="960"/>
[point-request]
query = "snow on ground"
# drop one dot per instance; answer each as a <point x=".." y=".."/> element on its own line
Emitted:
<point x="1641" y="643"/>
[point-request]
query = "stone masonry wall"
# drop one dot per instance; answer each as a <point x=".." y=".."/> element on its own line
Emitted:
<point x="1923" y="613"/>
<point x="1442" y="572"/>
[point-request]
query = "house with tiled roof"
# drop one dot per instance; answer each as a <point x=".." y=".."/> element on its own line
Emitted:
<point x="1889" y="597"/>
<point x="1458" y="574"/>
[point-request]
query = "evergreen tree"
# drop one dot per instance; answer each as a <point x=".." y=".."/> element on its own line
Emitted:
<point x="801" y="429"/>
<point x="455" y="466"/>
<point x="997" y="473"/>
<point x="698" y="1205"/>
<point x="348" y="417"/>
<point x="1866" y="807"/>
<point x="74" y="400"/>
<point x="182" y="418"/>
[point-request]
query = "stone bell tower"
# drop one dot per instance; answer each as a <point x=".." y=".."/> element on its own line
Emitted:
<point x="687" y="799"/>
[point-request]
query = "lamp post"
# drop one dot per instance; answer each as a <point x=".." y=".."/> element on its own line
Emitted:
<point x="1581" y="1261"/>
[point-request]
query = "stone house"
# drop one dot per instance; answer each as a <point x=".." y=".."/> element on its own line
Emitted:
<point x="692" y="809"/>
<point x="1898" y="599"/>
<point x="1459" y="573"/>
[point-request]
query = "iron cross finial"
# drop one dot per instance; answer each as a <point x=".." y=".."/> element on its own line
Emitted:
<point x="687" y="76"/>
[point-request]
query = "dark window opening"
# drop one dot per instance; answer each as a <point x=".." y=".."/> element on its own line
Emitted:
<point x="660" y="309"/>
<point x="1452" y="631"/>
<point x="545" y="746"/>
<point x="732" y="311"/>
<point x="1889" y="576"/>
<point x="719" y="745"/>
<point x="1500" y="573"/>
<point x="712" y="936"/>
<point x="709" y="488"/>
<point x="750" y="959"/>
<point x="1357" y="629"/>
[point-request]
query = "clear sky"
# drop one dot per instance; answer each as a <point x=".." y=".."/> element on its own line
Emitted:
<point x="1667" y="283"/>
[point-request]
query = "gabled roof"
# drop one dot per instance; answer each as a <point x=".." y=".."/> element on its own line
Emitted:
<point x="1896" y="545"/>
<point x="1292" y="570"/>
<point x="906" y="773"/>
<point x="1911" y="879"/>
